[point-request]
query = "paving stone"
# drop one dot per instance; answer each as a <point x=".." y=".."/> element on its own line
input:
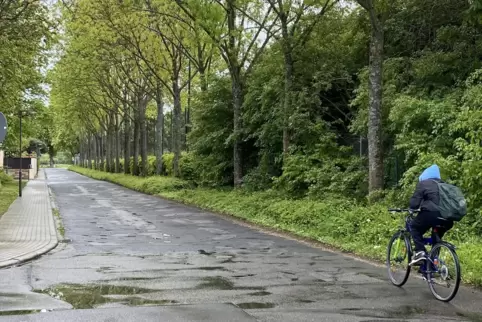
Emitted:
<point x="27" y="229"/>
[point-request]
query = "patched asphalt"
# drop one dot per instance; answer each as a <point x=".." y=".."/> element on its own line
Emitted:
<point x="171" y="256"/>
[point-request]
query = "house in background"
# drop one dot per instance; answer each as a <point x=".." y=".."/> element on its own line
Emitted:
<point x="11" y="166"/>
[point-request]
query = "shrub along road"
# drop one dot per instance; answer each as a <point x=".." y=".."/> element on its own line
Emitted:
<point x="130" y="249"/>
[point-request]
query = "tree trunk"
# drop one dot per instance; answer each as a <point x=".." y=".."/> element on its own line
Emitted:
<point x="237" y="91"/>
<point x="112" y="143"/>
<point x="159" y="131"/>
<point x="96" y="152"/>
<point x="203" y="81"/>
<point x="135" y="167"/>
<point x="287" y="99"/>
<point x="89" y="151"/>
<point x="117" y="144"/>
<point x="101" y="154"/>
<point x="375" y="153"/>
<point x="81" y="152"/>
<point x="176" y="126"/>
<point x="187" y="109"/>
<point x="51" y="155"/>
<point x="100" y="165"/>
<point x="127" y="140"/>
<point x="201" y="69"/>
<point x="237" y="149"/>
<point x="143" y="101"/>
<point x="107" y="150"/>
<point x="108" y="161"/>
<point x="289" y="67"/>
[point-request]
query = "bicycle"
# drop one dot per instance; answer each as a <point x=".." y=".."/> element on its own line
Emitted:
<point x="435" y="265"/>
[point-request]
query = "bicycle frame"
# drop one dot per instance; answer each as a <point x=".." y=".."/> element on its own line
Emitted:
<point x="431" y="241"/>
<point x="432" y="266"/>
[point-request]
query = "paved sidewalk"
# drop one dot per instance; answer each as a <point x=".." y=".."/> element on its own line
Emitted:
<point x="27" y="229"/>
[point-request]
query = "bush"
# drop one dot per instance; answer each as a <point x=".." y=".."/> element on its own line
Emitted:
<point x="257" y="180"/>
<point x="5" y="178"/>
<point x="316" y="175"/>
<point x="168" y="161"/>
<point x="150" y="185"/>
<point x="186" y="166"/>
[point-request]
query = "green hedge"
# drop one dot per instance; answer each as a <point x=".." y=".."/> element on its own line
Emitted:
<point x="150" y="185"/>
<point x="185" y="165"/>
<point x="363" y="230"/>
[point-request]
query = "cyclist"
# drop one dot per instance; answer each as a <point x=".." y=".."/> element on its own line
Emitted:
<point x="426" y="199"/>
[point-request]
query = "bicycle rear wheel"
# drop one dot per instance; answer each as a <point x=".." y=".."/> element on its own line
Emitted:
<point x="445" y="272"/>
<point x="399" y="252"/>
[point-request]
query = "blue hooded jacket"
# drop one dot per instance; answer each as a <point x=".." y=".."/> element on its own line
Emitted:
<point x="426" y="196"/>
<point x="432" y="172"/>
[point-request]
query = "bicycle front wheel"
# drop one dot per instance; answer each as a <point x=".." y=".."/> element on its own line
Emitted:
<point x="445" y="274"/>
<point x="399" y="252"/>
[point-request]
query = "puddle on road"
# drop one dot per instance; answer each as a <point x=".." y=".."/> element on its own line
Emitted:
<point x="138" y="301"/>
<point x="210" y="268"/>
<point x="255" y="305"/>
<point x="18" y="312"/>
<point x="203" y="252"/>
<point x="134" y="279"/>
<point x="473" y="317"/>
<point x="104" y="269"/>
<point x="261" y="293"/>
<point x="406" y="310"/>
<point x="305" y="301"/>
<point x="90" y="296"/>
<point x="201" y="268"/>
<point x="244" y="275"/>
<point x="218" y="282"/>
<point x="221" y="283"/>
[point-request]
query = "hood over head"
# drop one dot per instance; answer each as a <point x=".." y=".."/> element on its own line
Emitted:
<point x="432" y="172"/>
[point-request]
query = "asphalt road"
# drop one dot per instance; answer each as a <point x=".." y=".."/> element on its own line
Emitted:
<point x="128" y="250"/>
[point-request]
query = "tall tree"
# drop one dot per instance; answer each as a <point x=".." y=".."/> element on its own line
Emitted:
<point x="375" y="151"/>
<point x="290" y="15"/>
<point x="225" y="23"/>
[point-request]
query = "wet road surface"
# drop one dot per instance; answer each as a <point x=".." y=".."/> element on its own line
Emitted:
<point x="128" y="249"/>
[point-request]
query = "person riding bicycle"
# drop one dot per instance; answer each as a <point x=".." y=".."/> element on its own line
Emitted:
<point x="426" y="199"/>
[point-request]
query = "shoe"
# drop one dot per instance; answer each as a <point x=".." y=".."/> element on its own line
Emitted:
<point x="418" y="257"/>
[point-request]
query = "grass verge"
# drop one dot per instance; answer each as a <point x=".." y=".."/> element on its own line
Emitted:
<point x="340" y="223"/>
<point x="61" y="166"/>
<point x="8" y="194"/>
<point x="60" y="226"/>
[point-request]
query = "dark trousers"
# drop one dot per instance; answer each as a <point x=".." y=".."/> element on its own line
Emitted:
<point x="422" y="223"/>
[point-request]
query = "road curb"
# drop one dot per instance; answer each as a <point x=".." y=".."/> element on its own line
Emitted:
<point x="43" y="248"/>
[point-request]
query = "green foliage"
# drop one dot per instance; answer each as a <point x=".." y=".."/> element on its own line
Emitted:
<point x="168" y="161"/>
<point x="325" y="168"/>
<point x="445" y="131"/>
<point x="25" y="40"/>
<point x="151" y="185"/>
<point x="259" y="178"/>
<point x="187" y="167"/>
<point x="211" y="144"/>
<point x="5" y="178"/>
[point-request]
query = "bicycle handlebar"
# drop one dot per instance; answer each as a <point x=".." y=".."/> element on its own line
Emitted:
<point x="411" y="211"/>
